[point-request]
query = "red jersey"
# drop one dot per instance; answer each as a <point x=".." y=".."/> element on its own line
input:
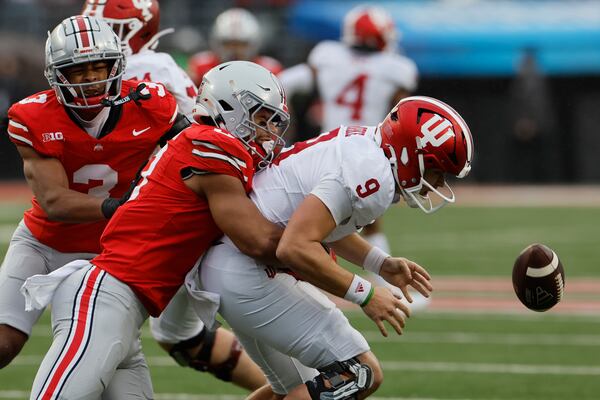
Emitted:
<point x="99" y="167"/>
<point x="200" y="63"/>
<point x="156" y="237"/>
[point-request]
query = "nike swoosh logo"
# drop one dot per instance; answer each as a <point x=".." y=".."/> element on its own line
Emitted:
<point x="266" y="89"/>
<point x="136" y="133"/>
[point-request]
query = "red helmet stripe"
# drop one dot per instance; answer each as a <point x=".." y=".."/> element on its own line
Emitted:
<point x="83" y="32"/>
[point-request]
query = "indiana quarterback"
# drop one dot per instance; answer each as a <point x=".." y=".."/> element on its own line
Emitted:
<point x="323" y="190"/>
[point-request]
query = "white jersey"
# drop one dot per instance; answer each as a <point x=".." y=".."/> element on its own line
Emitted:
<point x="148" y="65"/>
<point x="345" y="168"/>
<point x="357" y="88"/>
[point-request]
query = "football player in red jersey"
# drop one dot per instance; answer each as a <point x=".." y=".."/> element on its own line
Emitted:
<point x="137" y="25"/>
<point x="235" y="35"/>
<point x="190" y="193"/>
<point x="79" y="158"/>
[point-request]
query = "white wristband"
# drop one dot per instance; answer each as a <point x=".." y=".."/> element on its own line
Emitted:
<point x="360" y="291"/>
<point x="374" y="260"/>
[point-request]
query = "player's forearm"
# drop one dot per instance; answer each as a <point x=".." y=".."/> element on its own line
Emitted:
<point x="261" y="242"/>
<point x="314" y="265"/>
<point x="353" y="248"/>
<point x="71" y="206"/>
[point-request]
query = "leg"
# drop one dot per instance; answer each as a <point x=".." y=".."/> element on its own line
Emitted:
<point x="181" y="333"/>
<point x="25" y="257"/>
<point x="284" y="324"/>
<point x="22" y="260"/>
<point x="96" y="321"/>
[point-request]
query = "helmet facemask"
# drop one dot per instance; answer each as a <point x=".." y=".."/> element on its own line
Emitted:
<point x="73" y="94"/>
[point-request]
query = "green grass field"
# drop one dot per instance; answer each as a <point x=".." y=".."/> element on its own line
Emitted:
<point x="449" y="355"/>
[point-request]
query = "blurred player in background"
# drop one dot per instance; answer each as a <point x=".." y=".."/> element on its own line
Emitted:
<point x="235" y="35"/>
<point x="323" y="190"/>
<point x="137" y="23"/>
<point x="80" y="155"/>
<point x="194" y="189"/>
<point x="357" y="79"/>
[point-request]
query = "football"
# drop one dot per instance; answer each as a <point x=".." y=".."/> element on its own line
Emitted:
<point x="538" y="277"/>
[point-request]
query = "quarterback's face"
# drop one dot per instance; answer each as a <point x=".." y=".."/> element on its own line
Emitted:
<point x="88" y="73"/>
<point x="435" y="177"/>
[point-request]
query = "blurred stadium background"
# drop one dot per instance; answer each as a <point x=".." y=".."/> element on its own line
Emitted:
<point x="475" y="341"/>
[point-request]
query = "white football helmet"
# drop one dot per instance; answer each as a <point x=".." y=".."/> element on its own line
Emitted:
<point x="235" y="35"/>
<point x="82" y="39"/>
<point x="232" y="93"/>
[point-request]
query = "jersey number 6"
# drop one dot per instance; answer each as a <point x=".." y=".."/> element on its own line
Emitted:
<point x="371" y="186"/>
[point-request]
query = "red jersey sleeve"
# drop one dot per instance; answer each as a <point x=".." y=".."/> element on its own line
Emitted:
<point x="215" y="151"/>
<point x="23" y="125"/>
<point x="161" y="108"/>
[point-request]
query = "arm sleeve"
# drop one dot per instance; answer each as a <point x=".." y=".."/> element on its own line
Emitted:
<point x="335" y="197"/>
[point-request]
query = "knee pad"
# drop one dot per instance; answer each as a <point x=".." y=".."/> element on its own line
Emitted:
<point x="342" y="380"/>
<point x="201" y="362"/>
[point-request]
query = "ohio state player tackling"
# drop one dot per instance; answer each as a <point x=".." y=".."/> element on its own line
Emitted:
<point x="357" y="79"/>
<point x="235" y="35"/>
<point x="323" y="190"/>
<point x="192" y="191"/>
<point x="137" y="24"/>
<point x="79" y="158"/>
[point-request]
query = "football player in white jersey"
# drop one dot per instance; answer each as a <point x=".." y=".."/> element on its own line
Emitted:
<point x="357" y="78"/>
<point x="136" y="23"/>
<point x="323" y="190"/>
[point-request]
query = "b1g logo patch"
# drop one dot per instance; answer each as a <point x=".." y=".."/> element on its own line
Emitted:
<point x="52" y="136"/>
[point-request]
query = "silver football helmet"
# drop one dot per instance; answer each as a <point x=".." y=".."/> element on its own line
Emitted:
<point x="83" y="39"/>
<point x="233" y="93"/>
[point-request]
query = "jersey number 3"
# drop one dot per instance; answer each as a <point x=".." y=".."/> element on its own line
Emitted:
<point x="371" y="186"/>
<point x="352" y="96"/>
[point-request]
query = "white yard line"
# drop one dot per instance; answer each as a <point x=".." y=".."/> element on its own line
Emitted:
<point x="19" y="394"/>
<point x="533" y="339"/>
<point x="429" y="366"/>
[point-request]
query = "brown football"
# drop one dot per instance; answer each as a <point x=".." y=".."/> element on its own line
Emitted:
<point x="538" y="277"/>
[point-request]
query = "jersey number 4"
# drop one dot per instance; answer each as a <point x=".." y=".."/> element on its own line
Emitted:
<point x="352" y="96"/>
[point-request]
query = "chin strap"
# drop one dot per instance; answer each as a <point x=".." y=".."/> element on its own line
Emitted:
<point x="133" y="95"/>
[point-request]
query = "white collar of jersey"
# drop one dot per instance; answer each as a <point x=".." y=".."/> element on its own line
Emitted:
<point x="94" y="126"/>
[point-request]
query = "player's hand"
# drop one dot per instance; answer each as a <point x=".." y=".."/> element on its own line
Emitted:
<point x="402" y="273"/>
<point x="384" y="306"/>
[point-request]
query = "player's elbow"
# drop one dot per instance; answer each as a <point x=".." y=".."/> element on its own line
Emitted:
<point x="52" y="207"/>
<point x="259" y="248"/>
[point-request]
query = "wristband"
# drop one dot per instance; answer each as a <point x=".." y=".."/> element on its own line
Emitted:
<point x="374" y="260"/>
<point x="360" y="291"/>
<point x="109" y="206"/>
